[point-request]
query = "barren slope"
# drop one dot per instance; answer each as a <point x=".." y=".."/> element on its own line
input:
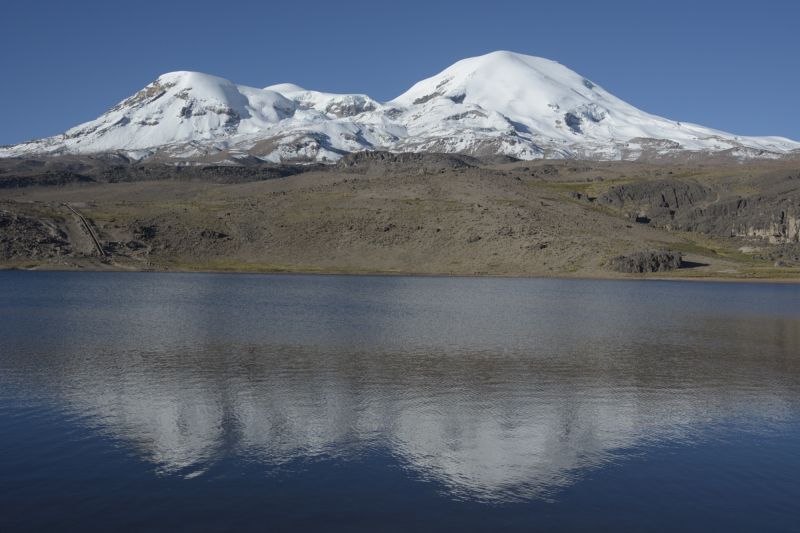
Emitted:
<point x="416" y="213"/>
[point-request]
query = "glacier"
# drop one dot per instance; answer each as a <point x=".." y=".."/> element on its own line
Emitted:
<point x="501" y="103"/>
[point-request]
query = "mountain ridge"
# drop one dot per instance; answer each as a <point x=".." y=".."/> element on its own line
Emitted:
<point x="501" y="103"/>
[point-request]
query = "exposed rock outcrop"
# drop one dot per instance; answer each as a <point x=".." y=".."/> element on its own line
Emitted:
<point x="772" y="215"/>
<point x="23" y="237"/>
<point x="649" y="261"/>
<point x="663" y="201"/>
<point x="411" y="163"/>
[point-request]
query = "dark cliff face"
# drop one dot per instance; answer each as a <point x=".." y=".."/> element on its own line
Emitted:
<point x="776" y="220"/>
<point x="771" y="213"/>
<point x="660" y="194"/>
<point x="662" y="201"/>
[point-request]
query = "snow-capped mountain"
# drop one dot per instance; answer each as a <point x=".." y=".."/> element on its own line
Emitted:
<point x="498" y="103"/>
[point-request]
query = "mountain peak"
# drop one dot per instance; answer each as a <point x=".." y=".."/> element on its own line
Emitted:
<point x="285" y="88"/>
<point x="497" y="103"/>
<point x="508" y="77"/>
<point x="178" y="75"/>
<point x="505" y="58"/>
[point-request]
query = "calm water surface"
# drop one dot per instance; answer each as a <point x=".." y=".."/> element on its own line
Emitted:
<point x="247" y="402"/>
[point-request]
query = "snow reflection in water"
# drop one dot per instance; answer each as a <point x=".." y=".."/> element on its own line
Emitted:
<point x="513" y="396"/>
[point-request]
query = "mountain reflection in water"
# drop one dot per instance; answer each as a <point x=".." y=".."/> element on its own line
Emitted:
<point x="499" y="390"/>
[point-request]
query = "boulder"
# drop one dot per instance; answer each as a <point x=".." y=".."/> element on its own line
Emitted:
<point x="647" y="261"/>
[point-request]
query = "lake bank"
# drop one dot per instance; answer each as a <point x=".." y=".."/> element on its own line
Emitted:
<point x="764" y="276"/>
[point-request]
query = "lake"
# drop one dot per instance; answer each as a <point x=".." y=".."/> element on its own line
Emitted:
<point x="142" y="401"/>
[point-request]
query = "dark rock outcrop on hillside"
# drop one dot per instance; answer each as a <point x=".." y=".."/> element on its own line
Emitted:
<point x="662" y="201"/>
<point x="23" y="238"/>
<point x="772" y="219"/>
<point x="646" y="262"/>
<point x="772" y="214"/>
<point x="55" y="171"/>
<point x="409" y="163"/>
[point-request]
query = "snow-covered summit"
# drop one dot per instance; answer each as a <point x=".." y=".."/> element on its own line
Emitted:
<point x="498" y="103"/>
<point x="557" y="109"/>
<point x="178" y="107"/>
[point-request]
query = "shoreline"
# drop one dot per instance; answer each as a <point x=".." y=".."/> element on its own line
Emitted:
<point x="659" y="276"/>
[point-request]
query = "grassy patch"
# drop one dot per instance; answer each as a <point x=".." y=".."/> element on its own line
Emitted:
<point x="19" y="265"/>
<point x="590" y="188"/>
<point x="693" y="243"/>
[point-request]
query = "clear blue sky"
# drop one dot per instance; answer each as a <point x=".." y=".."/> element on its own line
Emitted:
<point x="732" y="65"/>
